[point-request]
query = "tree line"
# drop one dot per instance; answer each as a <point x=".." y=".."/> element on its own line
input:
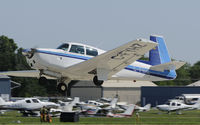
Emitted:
<point x="11" y="59"/>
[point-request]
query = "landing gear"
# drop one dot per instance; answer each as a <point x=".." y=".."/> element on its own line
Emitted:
<point x="62" y="88"/>
<point x="42" y="80"/>
<point x="97" y="82"/>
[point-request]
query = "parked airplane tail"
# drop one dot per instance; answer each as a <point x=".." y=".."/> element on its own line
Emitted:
<point x="129" y="111"/>
<point x="2" y="101"/>
<point x="159" y="54"/>
<point x="113" y="103"/>
<point x="147" y="107"/>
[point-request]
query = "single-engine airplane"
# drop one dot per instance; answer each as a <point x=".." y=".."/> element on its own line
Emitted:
<point x="75" y="61"/>
<point x="177" y="106"/>
<point x="27" y="106"/>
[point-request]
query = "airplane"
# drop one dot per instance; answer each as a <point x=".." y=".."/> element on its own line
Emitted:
<point x="142" y="109"/>
<point x="177" y="106"/>
<point x="26" y="106"/>
<point x="64" y="107"/>
<point x="127" y="113"/>
<point x="100" y="108"/>
<point x="137" y="108"/>
<point x="75" y="61"/>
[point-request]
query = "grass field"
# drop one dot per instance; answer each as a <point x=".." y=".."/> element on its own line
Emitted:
<point x="153" y="117"/>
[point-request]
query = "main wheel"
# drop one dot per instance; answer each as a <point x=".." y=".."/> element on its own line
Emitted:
<point x="97" y="82"/>
<point x="42" y="80"/>
<point x="62" y="87"/>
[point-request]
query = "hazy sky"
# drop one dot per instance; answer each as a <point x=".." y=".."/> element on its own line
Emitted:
<point x="103" y="23"/>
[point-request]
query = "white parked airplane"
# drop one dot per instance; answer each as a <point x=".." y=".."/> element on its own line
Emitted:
<point x="143" y="109"/>
<point x="26" y="106"/>
<point x="75" y="61"/>
<point x="177" y="106"/>
<point x="128" y="112"/>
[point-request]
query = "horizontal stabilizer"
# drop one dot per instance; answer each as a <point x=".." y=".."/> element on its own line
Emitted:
<point x="174" y="65"/>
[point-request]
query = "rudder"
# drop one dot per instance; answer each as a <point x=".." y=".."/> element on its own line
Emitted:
<point x="159" y="55"/>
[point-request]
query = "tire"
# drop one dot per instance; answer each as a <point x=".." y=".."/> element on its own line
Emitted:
<point x="62" y="87"/>
<point x="97" y="82"/>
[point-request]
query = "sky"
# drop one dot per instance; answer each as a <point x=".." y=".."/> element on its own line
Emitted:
<point x="105" y="24"/>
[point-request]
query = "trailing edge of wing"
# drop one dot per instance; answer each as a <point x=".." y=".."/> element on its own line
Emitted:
<point x="174" y="65"/>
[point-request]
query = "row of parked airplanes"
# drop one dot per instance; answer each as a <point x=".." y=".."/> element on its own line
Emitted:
<point x="102" y="107"/>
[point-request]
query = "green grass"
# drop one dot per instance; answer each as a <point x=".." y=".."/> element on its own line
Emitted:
<point x="153" y="117"/>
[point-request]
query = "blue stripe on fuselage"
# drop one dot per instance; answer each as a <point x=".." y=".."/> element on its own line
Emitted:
<point x="166" y="74"/>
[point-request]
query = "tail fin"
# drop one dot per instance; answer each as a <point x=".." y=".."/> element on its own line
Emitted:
<point x="147" y="107"/>
<point x="113" y="103"/>
<point x="2" y="102"/>
<point x="160" y="54"/>
<point x="129" y="111"/>
<point x="76" y="100"/>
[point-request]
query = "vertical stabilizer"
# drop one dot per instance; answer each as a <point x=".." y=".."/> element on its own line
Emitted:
<point x="159" y="55"/>
<point x="147" y="107"/>
<point x="113" y="103"/>
<point x="2" y="102"/>
<point x="129" y="111"/>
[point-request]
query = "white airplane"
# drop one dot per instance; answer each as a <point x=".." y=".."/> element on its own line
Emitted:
<point x="94" y="108"/>
<point x="75" y="61"/>
<point x="137" y="108"/>
<point x="26" y="106"/>
<point x="143" y="109"/>
<point x="177" y="106"/>
<point x="128" y="112"/>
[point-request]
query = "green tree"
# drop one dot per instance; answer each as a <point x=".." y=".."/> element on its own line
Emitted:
<point x="195" y="72"/>
<point x="7" y="54"/>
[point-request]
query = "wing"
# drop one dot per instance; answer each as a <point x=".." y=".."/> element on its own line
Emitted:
<point x="111" y="62"/>
<point x="24" y="73"/>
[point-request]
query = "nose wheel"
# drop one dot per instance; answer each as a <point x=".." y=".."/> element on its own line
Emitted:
<point x="62" y="87"/>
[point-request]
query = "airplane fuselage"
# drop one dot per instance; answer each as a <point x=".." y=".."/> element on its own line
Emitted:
<point x="54" y="62"/>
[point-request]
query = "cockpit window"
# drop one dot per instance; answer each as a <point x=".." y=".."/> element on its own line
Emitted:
<point x="28" y="101"/>
<point x="173" y="104"/>
<point x="35" y="100"/>
<point x="77" y="49"/>
<point x="91" y="51"/>
<point x="64" y="47"/>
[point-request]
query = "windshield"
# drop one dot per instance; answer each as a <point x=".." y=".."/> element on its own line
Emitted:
<point x="64" y="47"/>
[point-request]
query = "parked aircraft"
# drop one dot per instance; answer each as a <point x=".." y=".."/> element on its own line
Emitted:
<point x="101" y="108"/>
<point x="75" y="61"/>
<point x="137" y="108"/>
<point x="177" y="106"/>
<point x="26" y="106"/>
<point x="143" y="109"/>
<point x="128" y="113"/>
